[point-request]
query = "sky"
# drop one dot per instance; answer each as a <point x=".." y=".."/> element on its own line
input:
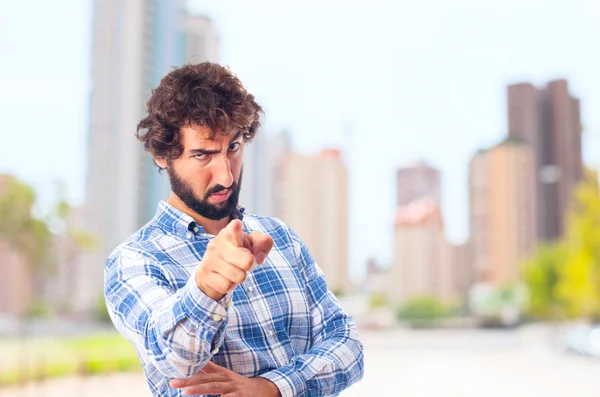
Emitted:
<point x="388" y="82"/>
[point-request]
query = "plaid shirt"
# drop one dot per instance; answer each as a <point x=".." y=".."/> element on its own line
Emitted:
<point x="281" y="323"/>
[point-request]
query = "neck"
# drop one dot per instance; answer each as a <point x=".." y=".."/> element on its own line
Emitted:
<point x="210" y="226"/>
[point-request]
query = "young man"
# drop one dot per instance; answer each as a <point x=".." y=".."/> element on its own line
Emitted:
<point x="215" y="301"/>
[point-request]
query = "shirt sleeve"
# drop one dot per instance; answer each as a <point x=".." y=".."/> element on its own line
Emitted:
<point x="336" y="360"/>
<point x="179" y="330"/>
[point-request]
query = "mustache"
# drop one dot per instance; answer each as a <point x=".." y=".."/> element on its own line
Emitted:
<point x="219" y="189"/>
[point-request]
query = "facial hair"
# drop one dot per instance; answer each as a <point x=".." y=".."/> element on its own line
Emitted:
<point x="202" y="207"/>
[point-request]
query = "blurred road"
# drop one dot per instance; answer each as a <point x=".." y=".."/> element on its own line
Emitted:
<point x="448" y="363"/>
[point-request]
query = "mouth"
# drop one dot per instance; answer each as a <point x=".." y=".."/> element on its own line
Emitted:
<point x="221" y="196"/>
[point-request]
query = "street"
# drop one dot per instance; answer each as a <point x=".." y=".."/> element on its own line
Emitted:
<point x="427" y="363"/>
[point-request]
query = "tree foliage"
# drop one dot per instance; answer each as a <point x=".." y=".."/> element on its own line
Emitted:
<point x="24" y="233"/>
<point x="564" y="277"/>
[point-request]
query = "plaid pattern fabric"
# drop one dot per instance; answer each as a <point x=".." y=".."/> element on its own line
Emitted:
<point x="282" y="323"/>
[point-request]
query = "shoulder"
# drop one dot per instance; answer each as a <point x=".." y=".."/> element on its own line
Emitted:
<point x="142" y="246"/>
<point x="283" y="235"/>
<point x="265" y="224"/>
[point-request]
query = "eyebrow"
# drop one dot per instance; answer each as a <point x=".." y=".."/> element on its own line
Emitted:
<point x="196" y="152"/>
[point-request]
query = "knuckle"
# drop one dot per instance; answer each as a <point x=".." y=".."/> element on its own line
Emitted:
<point x="247" y="261"/>
<point x="227" y="286"/>
<point x="240" y="277"/>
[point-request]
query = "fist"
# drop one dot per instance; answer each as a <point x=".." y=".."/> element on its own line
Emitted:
<point x="229" y="257"/>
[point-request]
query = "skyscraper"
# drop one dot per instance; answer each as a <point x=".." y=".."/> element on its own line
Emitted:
<point x="135" y="43"/>
<point x="548" y="120"/>
<point x="420" y="251"/>
<point x="501" y="216"/>
<point x="315" y="205"/>
<point x="417" y="181"/>
<point x="202" y="41"/>
<point x="264" y="158"/>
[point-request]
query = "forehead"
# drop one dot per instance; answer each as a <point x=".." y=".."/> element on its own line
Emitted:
<point x="198" y="136"/>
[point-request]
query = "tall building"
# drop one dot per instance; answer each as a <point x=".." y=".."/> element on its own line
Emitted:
<point x="17" y="283"/>
<point x="422" y="263"/>
<point x="377" y="279"/>
<point x="315" y="205"/>
<point x="460" y="256"/>
<point x="501" y="217"/>
<point x="135" y="43"/>
<point x="61" y="285"/>
<point x="202" y="40"/>
<point x="548" y="119"/>
<point x="417" y="181"/>
<point x="264" y="158"/>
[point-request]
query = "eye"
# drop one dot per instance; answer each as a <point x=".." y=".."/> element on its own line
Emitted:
<point x="234" y="147"/>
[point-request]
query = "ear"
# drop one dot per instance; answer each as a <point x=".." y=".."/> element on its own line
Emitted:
<point x="161" y="162"/>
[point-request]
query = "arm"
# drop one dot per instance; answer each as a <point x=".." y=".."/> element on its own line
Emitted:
<point x="181" y="330"/>
<point x="173" y="328"/>
<point x="335" y="360"/>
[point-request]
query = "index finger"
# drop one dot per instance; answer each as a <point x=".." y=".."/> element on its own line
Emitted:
<point x="234" y="232"/>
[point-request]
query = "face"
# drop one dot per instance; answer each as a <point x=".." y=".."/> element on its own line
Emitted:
<point x="207" y="176"/>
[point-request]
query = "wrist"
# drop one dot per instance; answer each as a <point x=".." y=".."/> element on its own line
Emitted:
<point x="206" y="290"/>
<point x="268" y="388"/>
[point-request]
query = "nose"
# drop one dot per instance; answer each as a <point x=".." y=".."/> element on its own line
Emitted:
<point x="222" y="172"/>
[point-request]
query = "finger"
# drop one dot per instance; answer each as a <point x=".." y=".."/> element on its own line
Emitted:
<point x="198" y="379"/>
<point x="261" y="245"/>
<point x="231" y="272"/>
<point x="221" y="388"/>
<point x="234" y="232"/>
<point x="238" y="257"/>
<point x="218" y="283"/>
<point x="212" y="368"/>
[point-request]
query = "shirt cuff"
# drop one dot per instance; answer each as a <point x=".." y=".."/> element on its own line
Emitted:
<point x="203" y="308"/>
<point x="288" y="381"/>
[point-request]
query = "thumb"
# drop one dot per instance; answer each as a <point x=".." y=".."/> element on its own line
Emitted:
<point x="261" y="244"/>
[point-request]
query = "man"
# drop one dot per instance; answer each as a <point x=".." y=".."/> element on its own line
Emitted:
<point x="215" y="301"/>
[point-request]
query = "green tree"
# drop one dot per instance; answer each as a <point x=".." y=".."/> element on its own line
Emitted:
<point x="378" y="300"/>
<point x="541" y="275"/>
<point x="563" y="277"/>
<point x="25" y="234"/>
<point x="422" y="308"/>
<point x="579" y="279"/>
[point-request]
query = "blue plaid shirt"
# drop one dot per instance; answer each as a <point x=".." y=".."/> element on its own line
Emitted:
<point x="281" y="323"/>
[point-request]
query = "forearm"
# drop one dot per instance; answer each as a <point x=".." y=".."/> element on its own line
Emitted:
<point x="326" y="369"/>
<point x="178" y="332"/>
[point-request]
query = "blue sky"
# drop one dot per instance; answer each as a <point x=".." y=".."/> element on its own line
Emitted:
<point x="411" y="80"/>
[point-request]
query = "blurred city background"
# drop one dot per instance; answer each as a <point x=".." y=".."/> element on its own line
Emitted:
<point x="439" y="159"/>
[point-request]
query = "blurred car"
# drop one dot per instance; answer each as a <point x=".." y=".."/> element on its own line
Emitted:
<point x="583" y="340"/>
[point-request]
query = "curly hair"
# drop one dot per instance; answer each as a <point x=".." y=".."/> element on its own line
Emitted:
<point x="205" y="94"/>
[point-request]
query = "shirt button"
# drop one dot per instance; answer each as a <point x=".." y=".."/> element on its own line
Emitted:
<point x="217" y="317"/>
<point x="196" y="230"/>
<point x="250" y="288"/>
<point x="215" y="350"/>
<point x="271" y="333"/>
<point x="230" y="305"/>
<point x="189" y="235"/>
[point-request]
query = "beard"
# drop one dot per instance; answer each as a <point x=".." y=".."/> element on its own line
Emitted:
<point x="202" y="207"/>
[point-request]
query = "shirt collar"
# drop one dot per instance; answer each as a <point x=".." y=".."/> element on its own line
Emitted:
<point x="177" y="222"/>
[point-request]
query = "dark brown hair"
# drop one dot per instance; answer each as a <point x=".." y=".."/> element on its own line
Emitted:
<point x="205" y="94"/>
